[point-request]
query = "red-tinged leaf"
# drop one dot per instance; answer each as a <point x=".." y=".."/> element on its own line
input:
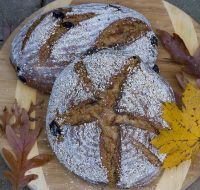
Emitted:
<point x="193" y="67"/>
<point x="10" y="159"/>
<point x="5" y="118"/>
<point x="182" y="80"/>
<point x="197" y="55"/>
<point x="33" y="107"/>
<point x="38" y="161"/>
<point x="198" y="83"/>
<point x="178" y="98"/>
<point x="22" y="138"/>
<point x="10" y="177"/>
<point x="32" y="119"/>
<point x="175" y="46"/>
<point x="25" y="125"/>
<point x="179" y="52"/>
<point x="31" y="139"/>
<point x="27" y="136"/>
<point x="27" y="179"/>
<point x="14" y="141"/>
<point x="16" y="111"/>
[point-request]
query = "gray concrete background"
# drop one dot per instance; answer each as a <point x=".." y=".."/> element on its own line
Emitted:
<point x="13" y="12"/>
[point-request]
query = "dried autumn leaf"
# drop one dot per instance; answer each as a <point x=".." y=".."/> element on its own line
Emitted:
<point x="178" y="98"/>
<point x="32" y="108"/>
<point x="179" y="52"/>
<point x="4" y="119"/>
<point x="182" y="80"/>
<point x="181" y="142"/>
<point x="22" y="139"/>
<point x="16" y="111"/>
<point x="174" y="45"/>
<point x="12" y="116"/>
<point x="198" y="83"/>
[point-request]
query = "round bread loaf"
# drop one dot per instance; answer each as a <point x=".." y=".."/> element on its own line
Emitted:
<point x="102" y="114"/>
<point x="50" y="41"/>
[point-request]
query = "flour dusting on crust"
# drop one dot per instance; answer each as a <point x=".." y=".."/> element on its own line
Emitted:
<point x="133" y="97"/>
<point x="68" y="90"/>
<point x="74" y="43"/>
<point x="133" y="160"/>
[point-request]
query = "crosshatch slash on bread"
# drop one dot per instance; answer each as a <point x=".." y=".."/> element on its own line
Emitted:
<point x="102" y="110"/>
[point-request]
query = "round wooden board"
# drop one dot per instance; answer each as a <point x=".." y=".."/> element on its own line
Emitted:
<point x="54" y="176"/>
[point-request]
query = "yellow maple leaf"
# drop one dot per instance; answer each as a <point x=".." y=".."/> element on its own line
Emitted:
<point x="182" y="141"/>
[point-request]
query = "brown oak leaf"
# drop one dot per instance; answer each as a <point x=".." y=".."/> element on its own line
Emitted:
<point x="198" y="83"/>
<point x="179" y="52"/>
<point x="182" y="80"/>
<point x="12" y="117"/>
<point x="32" y="108"/>
<point x="21" y="138"/>
<point x="4" y="119"/>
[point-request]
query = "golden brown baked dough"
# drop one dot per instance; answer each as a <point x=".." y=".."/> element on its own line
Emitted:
<point x="51" y="41"/>
<point x="103" y="102"/>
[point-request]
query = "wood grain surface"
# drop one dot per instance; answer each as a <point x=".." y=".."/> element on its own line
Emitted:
<point x="54" y="176"/>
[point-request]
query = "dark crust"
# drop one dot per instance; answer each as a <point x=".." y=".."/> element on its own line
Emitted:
<point x="41" y="84"/>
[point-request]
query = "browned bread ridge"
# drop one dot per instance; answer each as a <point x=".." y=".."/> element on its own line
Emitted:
<point x="51" y="41"/>
<point x="105" y="109"/>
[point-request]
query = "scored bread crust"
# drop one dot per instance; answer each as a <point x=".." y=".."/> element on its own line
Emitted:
<point x="84" y="110"/>
<point x="46" y="44"/>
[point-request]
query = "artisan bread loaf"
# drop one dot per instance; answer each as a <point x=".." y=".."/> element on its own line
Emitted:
<point x="102" y="114"/>
<point x="51" y="41"/>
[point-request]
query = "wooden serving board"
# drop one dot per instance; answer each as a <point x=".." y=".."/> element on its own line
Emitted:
<point x="54" y="176"/>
